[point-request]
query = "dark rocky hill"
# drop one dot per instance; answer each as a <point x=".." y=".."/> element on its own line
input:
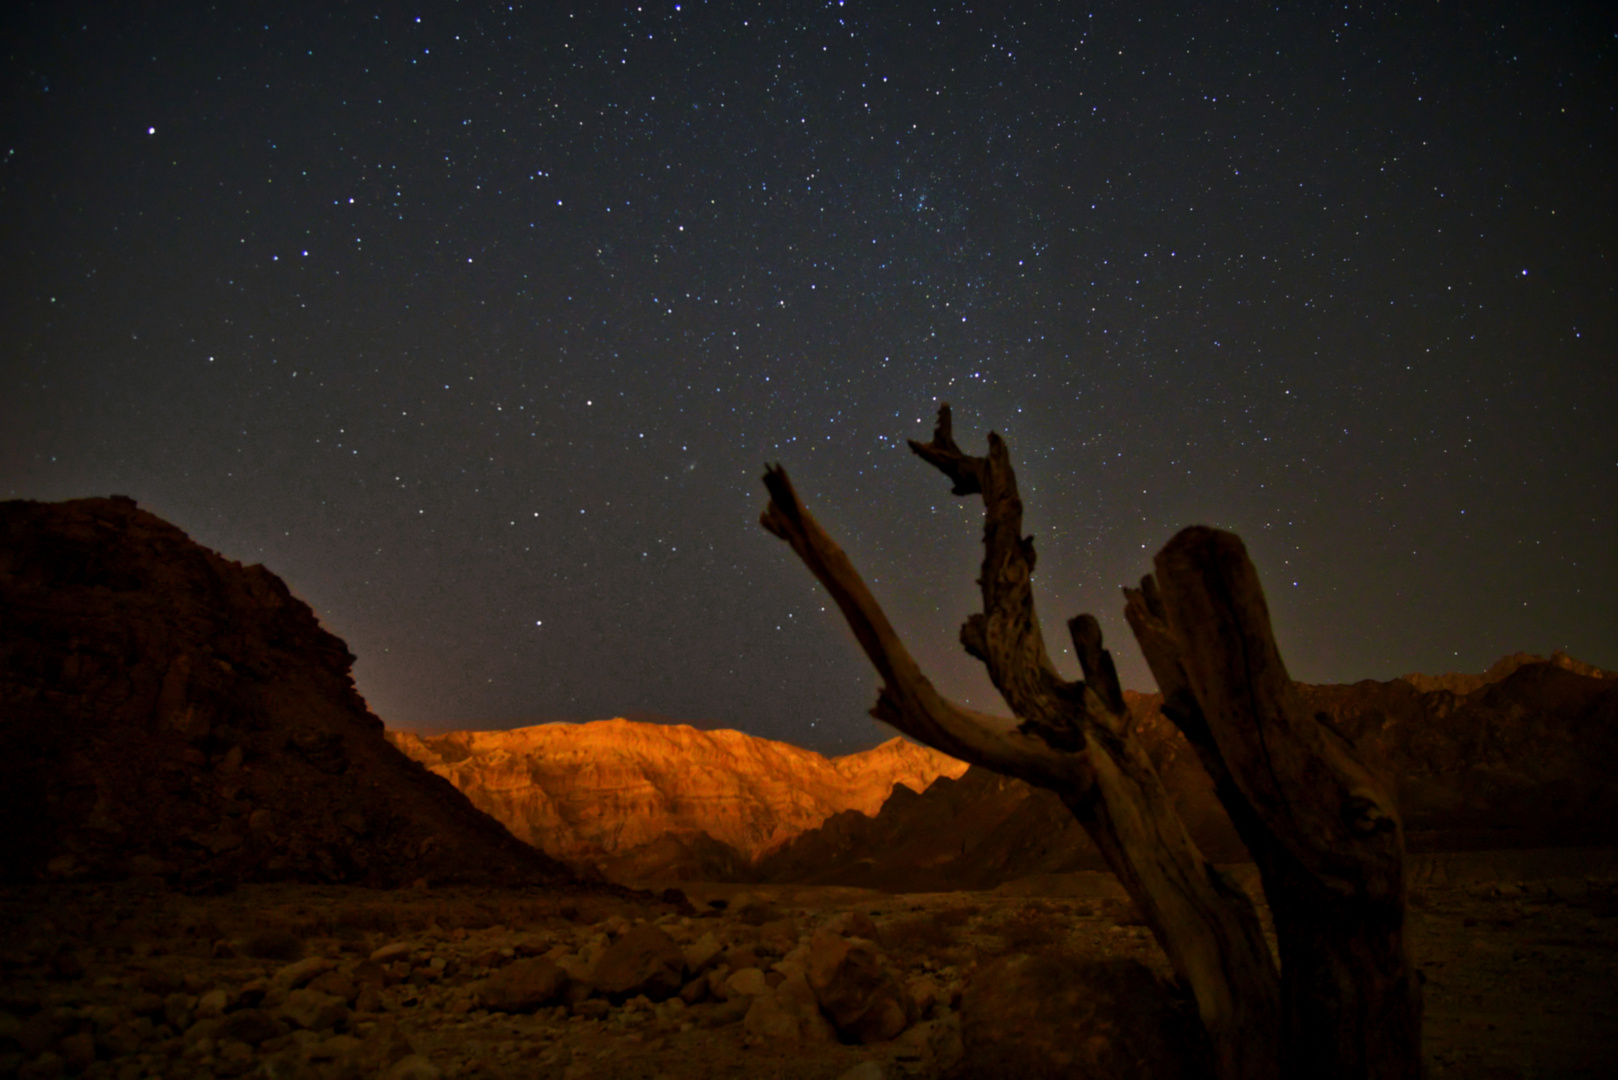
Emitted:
<point x="164" y="710"/>
<point x="1525" y="756"/>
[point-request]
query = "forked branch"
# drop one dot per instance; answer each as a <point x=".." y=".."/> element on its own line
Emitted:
<point x="908" y="700"/>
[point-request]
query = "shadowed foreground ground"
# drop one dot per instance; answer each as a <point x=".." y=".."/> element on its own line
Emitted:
<point x="1519" y="951"/>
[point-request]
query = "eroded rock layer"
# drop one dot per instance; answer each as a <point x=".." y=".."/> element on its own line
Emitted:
<point x="604" y="789"/>
<point x="164" y="710"/>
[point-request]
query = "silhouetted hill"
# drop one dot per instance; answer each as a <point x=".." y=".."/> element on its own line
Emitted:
<point x="165" y="710"/>
<point x="1525" y="758"/>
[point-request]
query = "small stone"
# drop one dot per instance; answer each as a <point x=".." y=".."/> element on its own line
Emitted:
<point x="694" y="991"/>
<point x="752" y="909"/>
<point x="702" y="952"/>
<point x="335" y="983"/>
<point x="725" y="1012"/>
<point x="398" y="950"/>
<point x="926" y="993"/>
<point x="145" y="1003"/>
<point x="296" y="974"/>
<point x="312" y="1010"/>
<point x="413" y="1067"/>
<point x="212" y="1004"/>
<point x="747" y="981"/>
<point x="202" y="1029"/>
<point x="177" y="1010"/>
<point x="334" y="1048"/>
<point x="592" y="1009"/>
<point x="778" y="937"/>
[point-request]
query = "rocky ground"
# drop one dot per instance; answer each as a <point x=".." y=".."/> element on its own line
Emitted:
<point x="130" y="980"/>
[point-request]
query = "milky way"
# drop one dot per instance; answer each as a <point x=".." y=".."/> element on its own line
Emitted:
<point x="478" y="324"/>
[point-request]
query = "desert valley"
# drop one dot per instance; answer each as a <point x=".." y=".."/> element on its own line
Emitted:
<point x="218" y="862"/>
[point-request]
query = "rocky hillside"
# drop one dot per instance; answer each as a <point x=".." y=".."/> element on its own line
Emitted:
<point x="1524" y="756"/>
<point x="164" y="710"/>
<point x="615" y="790"/>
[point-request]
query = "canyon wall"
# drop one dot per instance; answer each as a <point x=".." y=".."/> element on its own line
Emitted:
<point x="592" y="792"/>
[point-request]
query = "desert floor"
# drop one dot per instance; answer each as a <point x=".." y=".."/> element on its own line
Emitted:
<point x="1519" y="951"/>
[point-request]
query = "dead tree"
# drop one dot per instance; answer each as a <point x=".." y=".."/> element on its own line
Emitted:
<point x="1324" y="832"/>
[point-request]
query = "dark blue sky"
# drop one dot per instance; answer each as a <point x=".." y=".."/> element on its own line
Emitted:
<point x="477" y="324"/>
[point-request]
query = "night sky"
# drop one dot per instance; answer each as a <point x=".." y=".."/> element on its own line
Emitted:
<point x="477" y="324"/>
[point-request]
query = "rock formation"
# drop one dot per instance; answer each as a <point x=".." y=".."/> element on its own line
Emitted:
<point x="1521" y="756"/>
<point x="639" y="797"/>
<point x="164" y="710"/>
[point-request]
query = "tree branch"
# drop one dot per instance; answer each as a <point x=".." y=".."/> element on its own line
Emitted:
<point x="908" y="701"/>
<point x="1007" y="636"/>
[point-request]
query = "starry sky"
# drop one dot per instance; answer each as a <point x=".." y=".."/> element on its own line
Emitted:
<point x="477" y="323"/>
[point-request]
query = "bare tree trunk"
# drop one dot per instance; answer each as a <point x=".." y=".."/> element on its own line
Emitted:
<point x="1325" y="833"/>
<point x="1073" y="738"/>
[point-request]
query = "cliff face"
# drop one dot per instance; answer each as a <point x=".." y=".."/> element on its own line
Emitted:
<point x="597" y="791"/>
<point x="1524" y="756"/>
<point x="164" y="710"/>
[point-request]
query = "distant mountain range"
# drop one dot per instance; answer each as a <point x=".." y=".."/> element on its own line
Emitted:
<point x="1521" y="755"/>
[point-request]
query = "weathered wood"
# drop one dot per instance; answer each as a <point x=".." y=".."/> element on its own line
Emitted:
<point x="1071" y="737"/>
<point x="1323" y="829"/>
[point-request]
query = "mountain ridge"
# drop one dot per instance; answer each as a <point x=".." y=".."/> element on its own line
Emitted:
<point x="593" y="791"/>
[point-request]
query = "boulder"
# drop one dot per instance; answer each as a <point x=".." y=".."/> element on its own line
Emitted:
<point x="789" y="1013"/>
<point x="644" y="960"/>
<point x="1036" y="1017"/>
<point x="523" y="986"/>
<point x="864" y="1001"/>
